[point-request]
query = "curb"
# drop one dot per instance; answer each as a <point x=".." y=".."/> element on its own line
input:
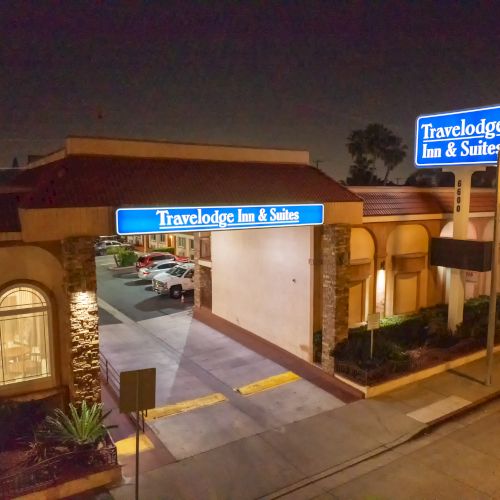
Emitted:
<point x="122" y="270"/>
<point x="381" y="449"/>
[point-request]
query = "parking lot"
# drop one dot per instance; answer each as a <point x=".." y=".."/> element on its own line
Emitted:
<point x="198" y="370"/>
<point x="134" y="297"/>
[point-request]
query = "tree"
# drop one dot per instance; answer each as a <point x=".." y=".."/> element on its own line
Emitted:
<point x="362" y="173"/>
<point x="374" y="143"/>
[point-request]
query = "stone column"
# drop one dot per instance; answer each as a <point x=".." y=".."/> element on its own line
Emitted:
<point x="197" y="274"/>
<point x="202" y="278"/>
<point x="335" y="253"/>
<point x="80" y="286"/>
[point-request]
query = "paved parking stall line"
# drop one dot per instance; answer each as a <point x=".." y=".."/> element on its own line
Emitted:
<point x="184" y="406"/>
<point x="267" y="383"/>
<point x="126" y="447"/>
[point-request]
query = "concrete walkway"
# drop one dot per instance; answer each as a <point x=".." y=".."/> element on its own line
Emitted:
<point x="281" y="455"/>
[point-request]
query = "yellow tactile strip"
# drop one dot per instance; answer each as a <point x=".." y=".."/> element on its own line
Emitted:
<point x="267" y="383"/>
<point x="126" y="447"/>
<point x="184" y="406"/>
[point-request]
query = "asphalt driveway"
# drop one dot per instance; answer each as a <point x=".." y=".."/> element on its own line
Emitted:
<point x="194" y="361"/>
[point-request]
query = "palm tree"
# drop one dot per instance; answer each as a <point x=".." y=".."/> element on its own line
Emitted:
<point x="373" y="143"/>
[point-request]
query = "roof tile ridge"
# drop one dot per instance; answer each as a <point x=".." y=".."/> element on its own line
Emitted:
<point x="339" y="184"/>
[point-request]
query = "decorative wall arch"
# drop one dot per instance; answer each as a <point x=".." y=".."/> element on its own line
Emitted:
<point x="447" y="231"/>
<point x="361" y="276"/>
<point x="406" y="268"/>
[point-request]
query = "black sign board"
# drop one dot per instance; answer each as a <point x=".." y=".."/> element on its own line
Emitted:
<point x="470" y="255"/>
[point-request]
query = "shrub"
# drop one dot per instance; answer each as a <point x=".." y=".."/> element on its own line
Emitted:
<point x="113" y="250"/>
<point x="356" y="349"/>
<point x="125" y="257"/>
<point x="404" y="330"/>
<point x="79" y="428"/>
<point x="165" y="249"/>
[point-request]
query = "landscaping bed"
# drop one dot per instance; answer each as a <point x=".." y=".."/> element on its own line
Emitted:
<point x="410" y="343"/>
<point x="41" y="447"/>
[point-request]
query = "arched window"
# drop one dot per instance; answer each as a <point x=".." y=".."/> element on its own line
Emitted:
<point x="24" y="335"/>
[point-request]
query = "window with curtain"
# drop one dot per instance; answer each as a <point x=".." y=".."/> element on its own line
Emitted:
<point x="24" y="335"/>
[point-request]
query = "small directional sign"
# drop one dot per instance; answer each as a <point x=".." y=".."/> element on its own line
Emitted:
<point x="373" y="321"/>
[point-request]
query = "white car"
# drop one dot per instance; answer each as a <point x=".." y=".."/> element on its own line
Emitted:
<point x="160" y="266"/>
<point x="176" y="281"/>
<point x="102" y="246"/>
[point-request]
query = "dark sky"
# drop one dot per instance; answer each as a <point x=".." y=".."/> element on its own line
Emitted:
<point x="284" y="74"/>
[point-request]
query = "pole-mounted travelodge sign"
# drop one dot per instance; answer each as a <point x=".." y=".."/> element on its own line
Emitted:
<point x="467" y="137"/>
<point x="187" y="219"/>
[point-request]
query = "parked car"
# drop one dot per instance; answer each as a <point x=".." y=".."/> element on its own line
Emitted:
<point x="176" y="281"/>
<point x="102" y="246"/>
<point x="150" y="258"/>
<point x="148" y="273"/>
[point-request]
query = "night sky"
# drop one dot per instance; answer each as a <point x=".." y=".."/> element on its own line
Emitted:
<point x="283" y="74"/>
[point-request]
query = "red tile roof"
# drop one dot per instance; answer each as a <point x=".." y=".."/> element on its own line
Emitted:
<point x="9" y="218"/>
<point x="85" y="181"/>
<point x="415" y="201"/>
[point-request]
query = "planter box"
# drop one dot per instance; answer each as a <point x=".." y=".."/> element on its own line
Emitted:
<point x="122" y="270"/>
<point x="65" y="474"/>
<point x="75" y="486"/>
<point x="371" y="391"/>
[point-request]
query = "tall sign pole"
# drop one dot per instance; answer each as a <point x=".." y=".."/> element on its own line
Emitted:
<point x="461" y="212"/>
<point x="137" y="393"/>
<point x="461" y="141"/>
<point x="492" y="313"/>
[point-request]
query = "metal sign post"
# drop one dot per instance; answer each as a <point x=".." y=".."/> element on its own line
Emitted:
<point x="137" y="393"/>
<point x="373" y="323"/>
<point x="461" y="212"/>
<point x="492" y="313"/>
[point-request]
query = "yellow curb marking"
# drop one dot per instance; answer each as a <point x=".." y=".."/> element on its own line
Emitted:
<point x="184" y="406"/>
<point x="126" y="447"/>
<point x="267" y="383"/>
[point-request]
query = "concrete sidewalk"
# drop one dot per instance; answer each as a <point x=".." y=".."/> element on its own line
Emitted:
<point x="287" y="460"/>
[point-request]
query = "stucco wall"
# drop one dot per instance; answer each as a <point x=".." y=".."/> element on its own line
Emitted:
<point x="262" y="281"/>
<point x="39" y="266"/>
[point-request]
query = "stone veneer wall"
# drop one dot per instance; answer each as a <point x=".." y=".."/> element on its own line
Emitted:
<point x="335" y="253"/>
<point x="80" y="287"/>
<point x="202" y="279"/>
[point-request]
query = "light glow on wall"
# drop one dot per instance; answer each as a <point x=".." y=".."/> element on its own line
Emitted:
<point x="84" y="298"/>
<point x="380" y="292"/>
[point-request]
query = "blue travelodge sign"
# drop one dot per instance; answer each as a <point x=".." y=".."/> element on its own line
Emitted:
<point x="467" y="137"/>
<point x="188" y="219"/>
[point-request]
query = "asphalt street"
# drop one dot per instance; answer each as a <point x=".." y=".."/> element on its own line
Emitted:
<point x="132" y="296"/>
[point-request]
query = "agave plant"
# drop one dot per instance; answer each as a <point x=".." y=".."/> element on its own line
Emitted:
<point x="79" y="428"/>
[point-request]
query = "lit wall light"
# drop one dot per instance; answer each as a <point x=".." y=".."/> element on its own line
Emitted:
<point x="84" y="298"/>
<point x="380" y="291"/>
